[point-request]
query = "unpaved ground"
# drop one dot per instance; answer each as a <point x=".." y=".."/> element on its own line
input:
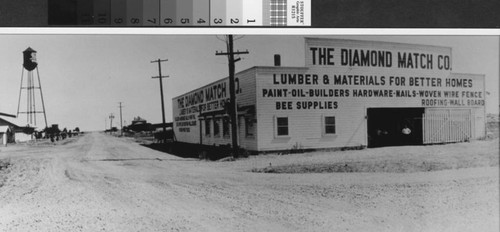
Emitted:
<point x="103" y="183"/>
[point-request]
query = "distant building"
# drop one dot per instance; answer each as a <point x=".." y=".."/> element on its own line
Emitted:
<point x="139" y="124"/>
<point x="19" y="133"/>
<point x="6" y="135"/>
<point x="159" y="126"/>
<point x="138" y="120"/>
<point x="349" y="94"/>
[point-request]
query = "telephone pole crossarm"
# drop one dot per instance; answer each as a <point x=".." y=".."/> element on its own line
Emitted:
<point x="217" y="53"/>
<point x="155" y="77"/>
<point x="155" y="61"/>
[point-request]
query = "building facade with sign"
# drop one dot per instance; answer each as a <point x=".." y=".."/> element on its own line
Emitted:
<point x="349" y="94"/>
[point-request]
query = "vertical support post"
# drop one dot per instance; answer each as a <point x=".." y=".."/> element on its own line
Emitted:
<point x="232" y="96"/>
<point x="121" y="122"/>
<point x="111" y="116"/>
<point x="28" y="98"/>
<point x="424" y="133"/>
<point x="201" y="125"/>
<point x="233" y="107"/>
<point x="41" y="94"/>
<point x="162" y="102"/>
<point x="20" y="90"/>
<point x="34" y="102"/>
<point x="161" y="94"/>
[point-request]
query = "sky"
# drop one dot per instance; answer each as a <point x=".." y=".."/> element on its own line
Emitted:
<point x="84" y="77"/>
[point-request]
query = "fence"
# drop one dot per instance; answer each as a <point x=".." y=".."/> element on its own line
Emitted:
<point x="447" y="125"/>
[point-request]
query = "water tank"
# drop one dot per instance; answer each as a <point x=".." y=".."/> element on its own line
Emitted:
<point x="29" y="59"/>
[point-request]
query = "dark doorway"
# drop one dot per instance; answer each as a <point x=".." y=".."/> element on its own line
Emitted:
<point x="394" y="126"/>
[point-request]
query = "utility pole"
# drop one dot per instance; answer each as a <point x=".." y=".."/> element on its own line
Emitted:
<point x="161" y="93"/>
<point x="232" y="101"/>
<point x="111" y="116"/>
<point x="121" y="122"/>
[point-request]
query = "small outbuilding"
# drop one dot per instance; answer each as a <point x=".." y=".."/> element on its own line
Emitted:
<point x="6" y="135"/>
<point x="19" y="133"/>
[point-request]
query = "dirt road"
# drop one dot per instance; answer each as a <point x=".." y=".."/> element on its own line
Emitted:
<point x="102" y="183"/>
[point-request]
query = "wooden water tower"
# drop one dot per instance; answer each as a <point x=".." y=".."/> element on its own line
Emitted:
<point x="30" y="87"/>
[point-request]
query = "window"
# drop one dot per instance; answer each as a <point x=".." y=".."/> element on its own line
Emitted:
<point x="282" y="123"/>
<point x="249" y="127"/>
<point x="329" y="125"/>
<point x="207" y="127"/>
<point x="225" y="127"/>
<point x="216" y="127"/>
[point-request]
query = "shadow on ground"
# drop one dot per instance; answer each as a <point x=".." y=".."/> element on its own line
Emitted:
<point x="186" y="150"/>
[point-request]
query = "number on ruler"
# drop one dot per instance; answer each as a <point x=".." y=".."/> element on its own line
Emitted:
<point x="217" y="21"/>
<point x="153" y="21"/>
<point x="235" y="21"/>
<point x="184" y="20"/>
<point x="168" y="21"/>
<point x="101" y="18"/>
<point x="118" y="20"/>
<point x="200" y="21"/>
<point x="250" y="20"/>
<point x="86" y="18"/>
<point x="135" y="20"/>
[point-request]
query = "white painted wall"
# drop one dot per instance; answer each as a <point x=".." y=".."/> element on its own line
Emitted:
<point x="423" y="86"/>
<point x="186" y="120"/>
<point x="306" y="125"/>
<point x="22" y="137"/>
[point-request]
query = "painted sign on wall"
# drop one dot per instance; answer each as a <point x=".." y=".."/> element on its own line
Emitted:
<point x="351" y="54"/>
<point x="211" y="98"/>
<point x="317" y="91"/>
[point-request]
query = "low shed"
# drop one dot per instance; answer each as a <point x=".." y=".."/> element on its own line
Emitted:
<point x="6" y="135"/>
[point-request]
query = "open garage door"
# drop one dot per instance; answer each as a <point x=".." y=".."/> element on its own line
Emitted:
<point x="394" y="126"/>
<point x="447" y="125"/>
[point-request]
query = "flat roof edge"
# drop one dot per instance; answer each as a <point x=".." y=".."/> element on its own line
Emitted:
<point x="382" y="43"/>
<point x="244" y="71"/>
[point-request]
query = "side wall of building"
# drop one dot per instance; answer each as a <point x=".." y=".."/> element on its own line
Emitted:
<point x="325" y="104"/>
<point x="205" y="106"/>
<point x="342" y="89"/>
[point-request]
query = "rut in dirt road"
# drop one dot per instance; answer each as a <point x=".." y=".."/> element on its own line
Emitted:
<point x="102" y="183"/>
<point x="98" y="182"/>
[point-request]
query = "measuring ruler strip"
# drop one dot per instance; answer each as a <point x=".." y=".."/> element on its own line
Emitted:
<point x="183" y="13"/>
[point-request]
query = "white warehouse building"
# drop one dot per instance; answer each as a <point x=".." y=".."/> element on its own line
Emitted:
<point x="349" y="94"/>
